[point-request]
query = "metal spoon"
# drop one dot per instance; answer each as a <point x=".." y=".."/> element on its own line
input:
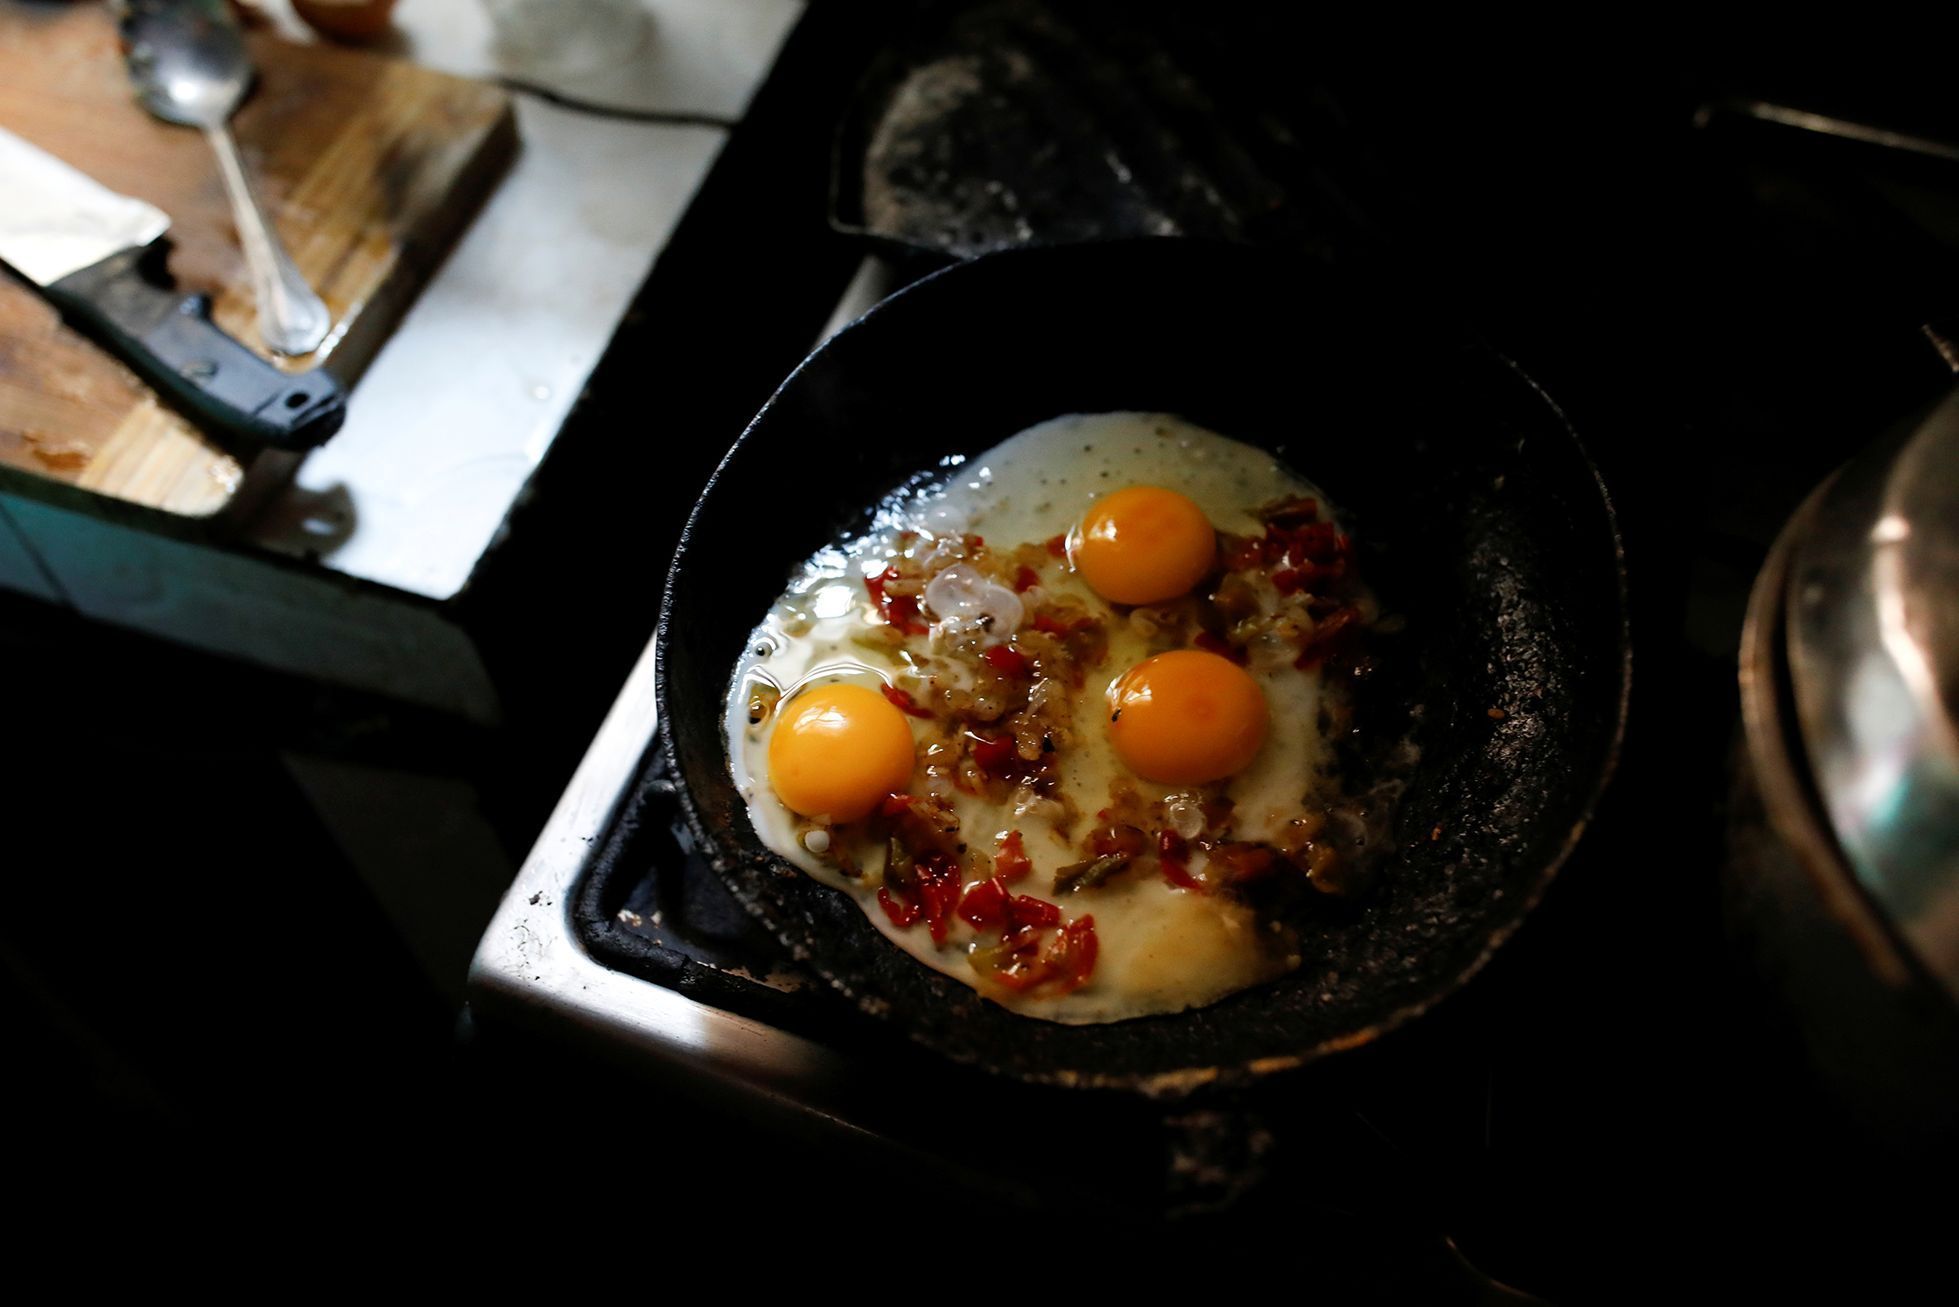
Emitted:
<point x="188" y="61"/>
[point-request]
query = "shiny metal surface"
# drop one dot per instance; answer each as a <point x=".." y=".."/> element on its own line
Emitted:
<point x="189" y="64"/>
<point x="1804" y="120"/>
<point x="1873" y="617"/>
<point x="531" y="967"/>
<point x="56" y="220"/>
<point x="1777" y="771"/>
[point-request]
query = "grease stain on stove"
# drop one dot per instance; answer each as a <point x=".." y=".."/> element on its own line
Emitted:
<point x="530" y="950"/>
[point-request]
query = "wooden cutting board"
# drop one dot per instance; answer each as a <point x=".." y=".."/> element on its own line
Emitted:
<point x="370" y="166"/>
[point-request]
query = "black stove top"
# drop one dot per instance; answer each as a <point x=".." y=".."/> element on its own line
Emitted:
<point x="1726" y="310"/>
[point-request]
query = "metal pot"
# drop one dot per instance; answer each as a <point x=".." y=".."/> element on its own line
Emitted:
<point x="1843" y="886"/>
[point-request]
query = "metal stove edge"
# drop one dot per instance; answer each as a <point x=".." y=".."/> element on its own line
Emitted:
<point x="531" y="969"/>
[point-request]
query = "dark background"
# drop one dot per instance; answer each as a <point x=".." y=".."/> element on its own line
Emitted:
<point x="194" y="983"/>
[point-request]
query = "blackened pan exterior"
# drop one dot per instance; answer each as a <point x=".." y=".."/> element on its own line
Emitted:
<point x="1479" y="517"/>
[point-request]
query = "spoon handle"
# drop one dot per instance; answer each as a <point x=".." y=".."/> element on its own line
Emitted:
<point x="291" y="317"/>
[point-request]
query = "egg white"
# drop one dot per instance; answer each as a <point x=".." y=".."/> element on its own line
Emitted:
<point x="1163" y="949"/>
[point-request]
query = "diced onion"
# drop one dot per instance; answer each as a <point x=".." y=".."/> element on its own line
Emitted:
<point x="1186" y="814"/>
<point x="963" y="599"/>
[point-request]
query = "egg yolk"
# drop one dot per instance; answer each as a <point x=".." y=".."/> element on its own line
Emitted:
<point x="1143" y="545"/>
<point x="837" y="750"/>
<point x="1186" y="717"/>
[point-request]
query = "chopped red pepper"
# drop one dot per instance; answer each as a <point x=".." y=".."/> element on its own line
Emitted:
<point x="1174" y="856"/>
<point x="1058" y="546"/>
<point x="1007" y="661"/>
<point x="1292" y="511"/>
<point x="899" y="610"/>
<point x="1220" y="646"/>
<point x="1117" y="839"/>
<point x="1011" y="863"/>
<point x="902" y="700"/>
<point x="994" y="757"/>
<point x="1015" y="962"/>
<point x="1020" y="963"/>
<point x="1326" y="635"/>
<point x="985" y="903"/>
<point x="1244" y="555"/>
<point x="1071" y="958"/>
<point x="1316" y="542"/>
<point x="903" y="913"/>
<point x="931" y="891"/>
<point x="1291" y="580"/>
<point x="1026" y="911"/>
<point x="895" y="805"/>
<point x="1178" y="874"/>
<point x="1026" y="579"/>
<point x="1243" y="863"/>
<point x="1303" y="551"/>
<point x="1025" y="957"/>
<point x="938" y="892"/>
<point x="1084" y="637"/>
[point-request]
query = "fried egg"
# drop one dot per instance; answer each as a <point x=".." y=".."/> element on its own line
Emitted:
<point x="874" y="675"/>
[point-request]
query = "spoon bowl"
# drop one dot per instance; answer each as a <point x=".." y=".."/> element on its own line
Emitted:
<point x="189" y="65"/>
<point x="188" y="61"/>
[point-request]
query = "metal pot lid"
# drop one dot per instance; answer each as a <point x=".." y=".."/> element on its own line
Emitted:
<point x="1874" y="663"/>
